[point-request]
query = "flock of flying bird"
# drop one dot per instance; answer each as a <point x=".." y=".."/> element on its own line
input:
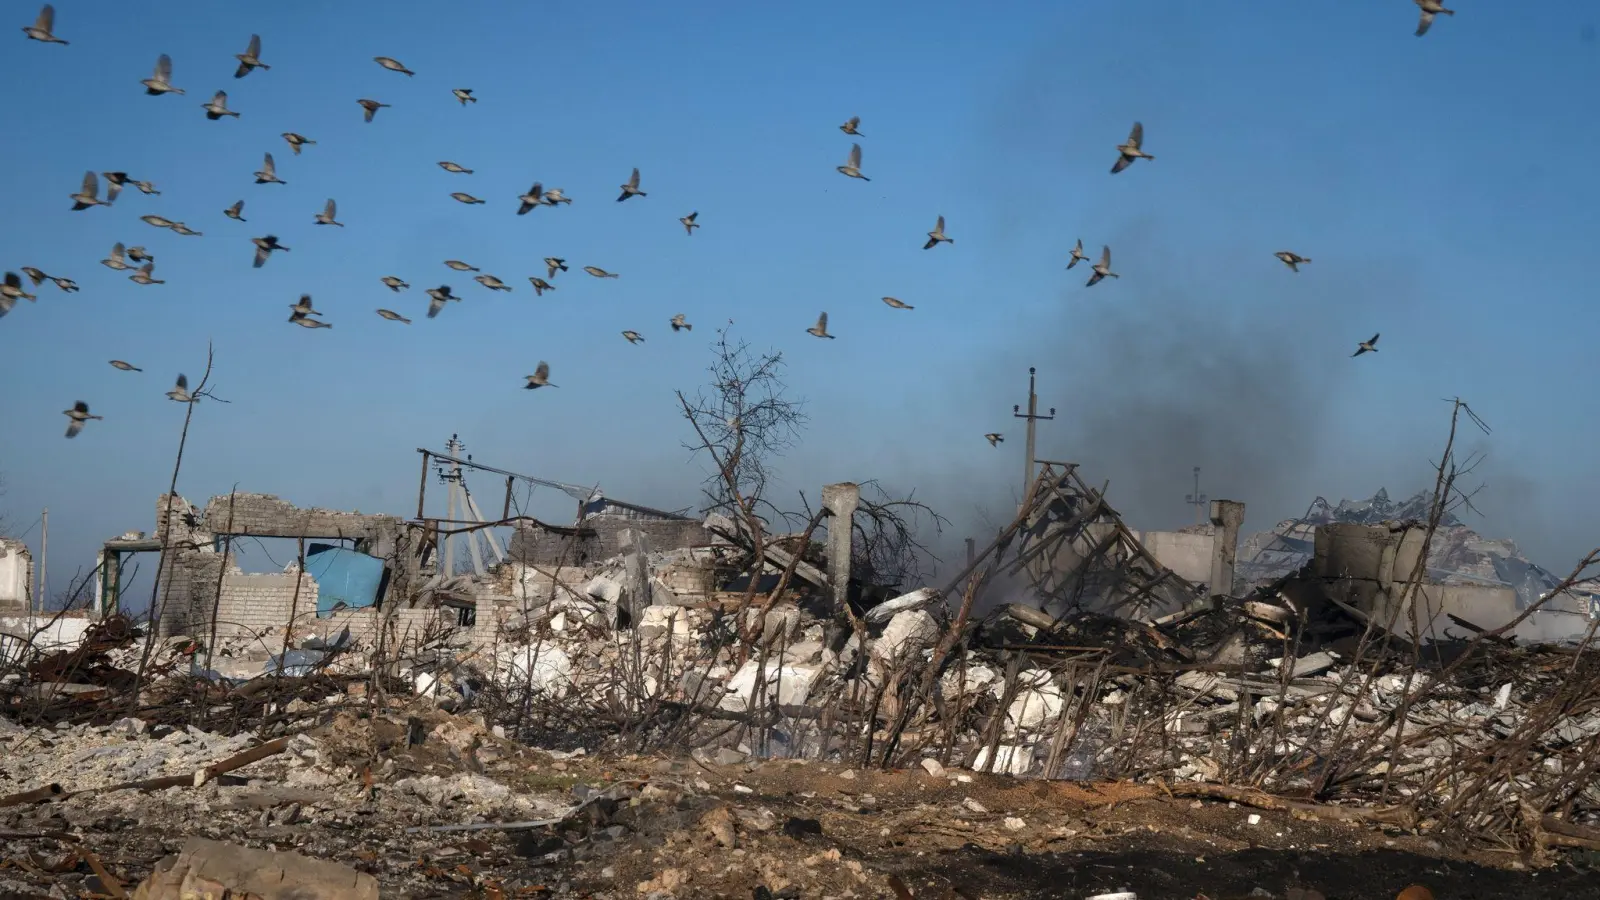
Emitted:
<point x="304" y="314"/>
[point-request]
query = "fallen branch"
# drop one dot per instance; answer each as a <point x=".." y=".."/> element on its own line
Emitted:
<point x="1402" y="816"/>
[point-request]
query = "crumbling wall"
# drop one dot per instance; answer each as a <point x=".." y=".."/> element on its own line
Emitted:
<point x="16" y="574"/>
<point x="1187" y="555"/>
<point x="601" y="538"/>
<point x="265" y="515"/>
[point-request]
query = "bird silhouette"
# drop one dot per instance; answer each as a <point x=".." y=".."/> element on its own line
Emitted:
<point x="821" y="328"/>
<point x="218" y="107"/>
<point x="125" y="366"/>
<point x="1132" y="150"/>
<point x="633" y="336"/>
<point x="457" y="168"/>
<point x="180" y="392"/>
<point x="897" y="304"/>
<point x="393" y="65"/>
<point x="1430" y="8"/>
<point x="145" y="275"/>
<point x="264" y="247"/>
<point x="269" y="172"/>
<point x="598" y="272"/>
<point x="632" y="187"/>
<point x="492" y="283"/>
<point x="370" y="108"/>
<point x="160" y="82"/>
<point x="464" y="197"/>
<point x="851" y="126"/>
<point x="116" y="260"/>
<point x="89" y="194"/>
<point x="78" y="414"/>
<point x="296" y="141"/>
<point x="540" y="285"/>
<point x="1077" y="255"/>
<point x="1367" y="346"/>
<point x="1291" y="259"/>
<point x="250" y="58"/>
<point x="393" y="316"/>
<point x="326" y="217"/>
<point x="460" y="266"/>
<point x="540" y="377"/>
<point x="689" y="224"/>
<point x="937" y="235"/>
<point x="679" y="322"/>
<point x="554" y="264"/>
<point x="394" y="284"/>
<point x="994" y="439"/>
<point x="464" y="95"/>
<point x="1102" y="269"/>
<point x="43" y="29"/>
<point x="534" y="197"/>
<point x="852" y="165"/>
<point x="304" y="307"/>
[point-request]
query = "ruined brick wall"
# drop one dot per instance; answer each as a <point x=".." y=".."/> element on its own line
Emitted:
<point x="247" y="604"/>
<point x="264" y="515"/>
<point x="541" y="548"/>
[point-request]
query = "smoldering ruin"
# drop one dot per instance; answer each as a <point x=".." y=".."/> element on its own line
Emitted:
<point x="584" y="703"/>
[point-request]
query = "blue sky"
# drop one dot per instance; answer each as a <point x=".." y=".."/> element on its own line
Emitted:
<point x="1438" y="184"/>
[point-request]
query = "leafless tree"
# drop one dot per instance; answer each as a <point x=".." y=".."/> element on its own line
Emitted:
<point x="743" y="420"/>
<point x="886" y="544"/>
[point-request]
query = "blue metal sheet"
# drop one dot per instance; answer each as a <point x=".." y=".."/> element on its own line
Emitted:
<point x="344" y="577"/>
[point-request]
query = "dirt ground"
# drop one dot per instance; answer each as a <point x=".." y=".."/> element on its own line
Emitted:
<point x="721" y="827"/>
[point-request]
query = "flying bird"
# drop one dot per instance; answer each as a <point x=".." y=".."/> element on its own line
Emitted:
<point x="460" y="266"/>
<point x="994" y="439"/>
<point x="466" y="198"/>
<point x="540" y="377"/>
<point x="264" y="248"/>
<point x="598" y="272"/>
<point x="1077" y="255"/>
<point x="534" y="197"/>
<point x="115" y="260"/>
<point x="1368" y="346"/>
<point x="937" y="235"/>
<point x="689" y="223"/>
<point x="140" y="255"/>
<point x="1102" y="269"/>
<point x="183" y="229"/>
<point x="449" y="166"/>
<point x="1430" y="8"/>
<point x="145" y="276"/>
<point x="296" y="141"/>
<point x="304" y="307"/>
<point x="269" y="172"/>
<point x="1132" y="150"/>
<point x="492" y="283"/>
<point x="125" y="366"/>
<point x="821" y="328"/>
<point x="305" y="321"/>
<point x="679" y="322"/>
<point x="898" y="304"/>
<point x="37" y="276"/>
<point x="393" y="65"/>
<point x="43" y="29"/>
<point x="632" y="187"/>
<point x="79" y="413"/>
<point x="180" y="393"/>
<point x="1291" y="259"/>
<point x="437" y="297"/>
<point x="161" y="81"/>
<point x="851" y="126"/>
<point x="554" y="196"/>
<point x="554" y="263"/>
<point x="394" y="284"/>
<point x="114" y="183"/>
<point x="89" y="194"/>
<point x="326" y="217"/>
<point x="250" y="58"/>
<point x="218" y="107"/>
<point x="464" y="95"/>
<point x="66" y="284"/>
<point x="540" y="285"/>
<point x="147" y="187"/>
<point x="371" y="107"/>
<point x="633" y="336"/>
<point x="393" y="316"/>
<point x="157" y="221"/>
<point x="236" y="211"/>
<point x="852" y="166"/>
<point x="12" y="290"/>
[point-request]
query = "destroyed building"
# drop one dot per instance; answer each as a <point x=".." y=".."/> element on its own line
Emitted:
<point x="16" y="578"/>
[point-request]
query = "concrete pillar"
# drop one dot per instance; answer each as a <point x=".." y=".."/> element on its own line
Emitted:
<point x="1227" y="516"/>
<point x="841" y="500"/>
<point x="636" y="574"/>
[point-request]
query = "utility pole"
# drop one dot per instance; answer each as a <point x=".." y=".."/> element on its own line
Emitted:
<point x="1032" y="416"/>
<point x="44" y="559"/>
<point x="1197" y="499"/>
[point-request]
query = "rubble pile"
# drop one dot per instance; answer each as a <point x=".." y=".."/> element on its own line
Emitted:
<point x="1458" y="554"/>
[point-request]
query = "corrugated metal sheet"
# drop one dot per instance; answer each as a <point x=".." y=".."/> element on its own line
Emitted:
<point x="344" y="578"/>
